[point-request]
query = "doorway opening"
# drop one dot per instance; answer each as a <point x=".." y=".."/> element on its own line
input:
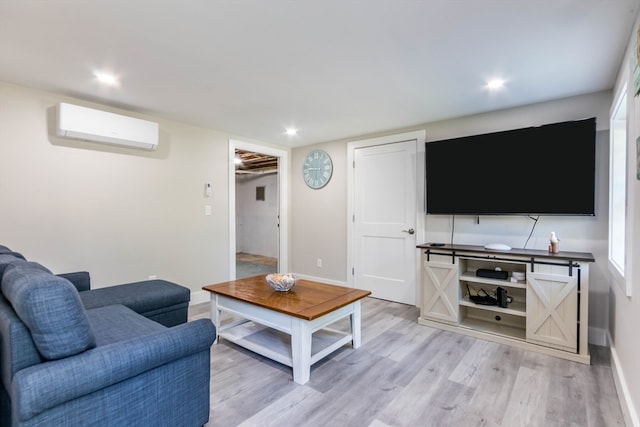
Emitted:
<point x="256" y="213"/>
<point x="257" y="209"/>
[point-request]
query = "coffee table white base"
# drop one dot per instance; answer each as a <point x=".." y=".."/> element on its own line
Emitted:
<point x="300" y="343"/>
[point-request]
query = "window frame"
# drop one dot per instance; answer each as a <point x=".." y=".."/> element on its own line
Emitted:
<point x="620" y="269"/>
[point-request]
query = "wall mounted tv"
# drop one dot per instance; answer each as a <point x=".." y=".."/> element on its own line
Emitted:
<point x="542" y="170"/>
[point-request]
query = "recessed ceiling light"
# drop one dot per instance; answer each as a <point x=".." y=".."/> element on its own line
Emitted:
<point x="291" y="131"/>
<point x="106" y="78"/>
<point x="495" y="84"/>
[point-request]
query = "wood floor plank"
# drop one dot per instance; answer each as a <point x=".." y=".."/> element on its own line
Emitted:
<point x="406" y="374"/>
<point x="566" y="403"/>
<point x="278" y="413"/>
<point x="602" y="404"/>
<point x="527" y="406"/>
<point x="493" y="384"/>
<point x="470" y="369"/>
<point x="430" y="392"/>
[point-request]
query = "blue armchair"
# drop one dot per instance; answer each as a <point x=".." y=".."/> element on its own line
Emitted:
<point x="62" y="364"/>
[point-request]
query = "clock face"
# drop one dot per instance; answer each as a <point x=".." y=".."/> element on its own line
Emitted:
<point x="317" y="169"/>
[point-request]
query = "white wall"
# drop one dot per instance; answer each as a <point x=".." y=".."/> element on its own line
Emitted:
<point x="625" y="311"/>
<point x="121" y="214"/>
<point x="257" y="221"/>
<point x="318" y="217"/>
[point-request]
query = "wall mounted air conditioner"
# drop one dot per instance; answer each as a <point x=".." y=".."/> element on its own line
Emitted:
<point x="100" y="126"/>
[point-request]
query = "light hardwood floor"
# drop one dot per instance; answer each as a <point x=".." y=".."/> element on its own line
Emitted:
<point x="251" y="265"/>
<point x="406" y="374"/>
<point x="256" y="259"/>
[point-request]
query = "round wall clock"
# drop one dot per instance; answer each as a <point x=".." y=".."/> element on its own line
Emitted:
<point x="317" y="169"/>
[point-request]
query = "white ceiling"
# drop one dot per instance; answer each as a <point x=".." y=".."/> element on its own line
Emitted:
<point x="331" y="68"/>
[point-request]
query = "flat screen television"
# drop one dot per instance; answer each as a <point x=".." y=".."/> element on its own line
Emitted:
<point x="542" y="170"/>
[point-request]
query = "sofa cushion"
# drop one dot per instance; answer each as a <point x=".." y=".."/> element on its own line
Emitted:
<point x="50" y="307"/>
<point x="151" y="298"/>
<point x="80" y="279"/>
<point x="4" y="249"/>
<point x="117" y="323"/>
<point x="17" y="350"/>
<point x="7" y="258"/>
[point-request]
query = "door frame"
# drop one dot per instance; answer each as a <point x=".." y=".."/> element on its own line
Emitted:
<point x="283" y="201"/>
<point x="419" y="137"/>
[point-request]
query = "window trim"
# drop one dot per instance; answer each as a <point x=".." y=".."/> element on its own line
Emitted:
<point x="622" y="278"/>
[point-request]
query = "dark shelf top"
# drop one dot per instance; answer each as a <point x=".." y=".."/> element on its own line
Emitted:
<point x="535" y="253"/>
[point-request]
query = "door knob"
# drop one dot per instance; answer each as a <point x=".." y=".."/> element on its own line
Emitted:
<point x="410" y="231"/>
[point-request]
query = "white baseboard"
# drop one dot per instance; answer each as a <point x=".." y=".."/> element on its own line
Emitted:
<point x="199" y="297"/>
<point x="598" y="336"/>
<point x="629" y="411"/>
<point x="322" y="280"/>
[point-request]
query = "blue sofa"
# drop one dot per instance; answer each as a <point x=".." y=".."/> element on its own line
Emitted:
<point x="68" y="360"/>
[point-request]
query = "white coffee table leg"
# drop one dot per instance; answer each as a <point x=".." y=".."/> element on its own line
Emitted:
<point x="301" y="350"/>
<point x="356" y="324"/>
<point x="215" y="314"/>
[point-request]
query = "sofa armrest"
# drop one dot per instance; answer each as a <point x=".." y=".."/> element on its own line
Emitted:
<point x="80" y="279"/>
<point x="49" y="384"/>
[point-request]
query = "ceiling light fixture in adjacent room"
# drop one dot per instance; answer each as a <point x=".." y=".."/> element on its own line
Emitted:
<point x="291" y="131"/>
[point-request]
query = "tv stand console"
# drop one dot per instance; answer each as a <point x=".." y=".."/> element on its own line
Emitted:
<point x="549" y="296"/>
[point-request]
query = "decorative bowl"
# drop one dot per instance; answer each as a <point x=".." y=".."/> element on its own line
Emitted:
<point x="281" y="282"/>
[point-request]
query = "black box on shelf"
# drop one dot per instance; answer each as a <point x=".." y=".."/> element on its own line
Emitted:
<point x="492" y="274"/>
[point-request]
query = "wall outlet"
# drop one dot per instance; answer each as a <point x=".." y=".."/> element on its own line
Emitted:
<point x="319" y="263"/>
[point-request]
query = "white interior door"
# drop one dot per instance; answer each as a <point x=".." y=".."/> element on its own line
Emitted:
<point x="384" y="221"/>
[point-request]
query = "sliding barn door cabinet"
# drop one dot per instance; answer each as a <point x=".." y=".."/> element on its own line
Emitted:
<point x="544" y="304"/>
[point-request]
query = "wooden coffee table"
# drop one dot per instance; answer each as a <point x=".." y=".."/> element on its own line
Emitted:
<point x="288" y="327"/>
